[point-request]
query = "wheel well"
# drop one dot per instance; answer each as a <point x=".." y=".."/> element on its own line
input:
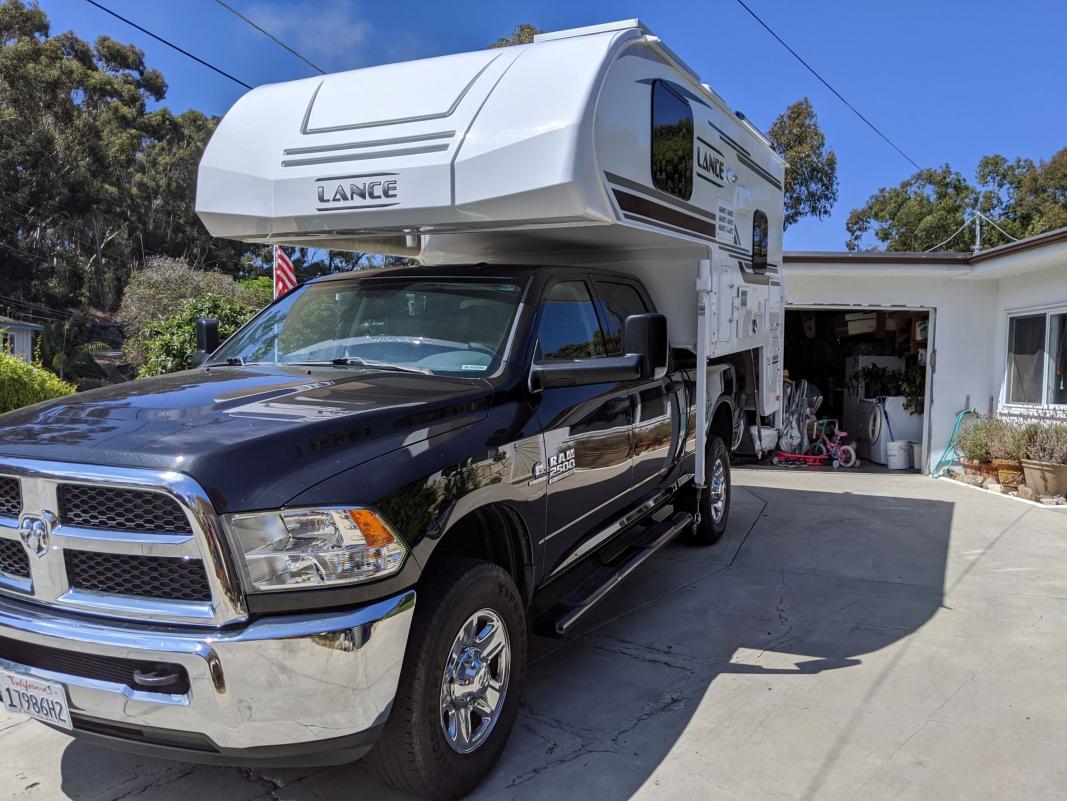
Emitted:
<point x="493" y="534"/>
<point x="722" y="423"/>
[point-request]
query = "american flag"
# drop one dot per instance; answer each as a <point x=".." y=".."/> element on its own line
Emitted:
<point x="284" y="275"/>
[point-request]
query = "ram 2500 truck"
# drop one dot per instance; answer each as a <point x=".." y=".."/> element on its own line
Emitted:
<point x="333" y="534"/>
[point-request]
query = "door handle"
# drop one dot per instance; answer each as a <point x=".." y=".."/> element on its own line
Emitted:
<point x="617" y="405"/>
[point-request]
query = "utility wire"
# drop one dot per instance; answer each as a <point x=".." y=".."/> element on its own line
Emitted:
<point x="271" y="36"/>
<point x="171" y="45"/>
<point x="826" y="83"/>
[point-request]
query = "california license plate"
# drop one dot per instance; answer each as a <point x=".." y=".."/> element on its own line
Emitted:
<point x="43" y="700"/>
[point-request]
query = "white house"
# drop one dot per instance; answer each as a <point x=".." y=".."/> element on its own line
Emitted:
<point x="16" y="337"/>
<point x="997" y="322"/>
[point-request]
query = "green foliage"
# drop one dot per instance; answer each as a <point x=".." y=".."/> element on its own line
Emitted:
<point x="887" y="382"/>
<point x="22" y="384"/>
<point x="1024" y="198"/>
<point x="91" y="180"/>
<point x="811" y="174"/>
<point x="158" y="290"/>
<point x="171" y="341"/>
<point x="523" y="34"/>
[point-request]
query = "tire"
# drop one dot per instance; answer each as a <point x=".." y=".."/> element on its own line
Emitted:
<point x="846" y="454"/>
<point x="415" y="754"/>
<point x="714" y="504"/>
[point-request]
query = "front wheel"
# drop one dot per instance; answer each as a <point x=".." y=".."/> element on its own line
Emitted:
<point x="715" y="499"/>
<point x="846" y="454"/>
<point x="460" y="684"/>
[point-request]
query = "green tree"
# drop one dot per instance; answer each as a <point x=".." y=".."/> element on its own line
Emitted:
<point x="22" y="384"/>
<point x="524" y="33"/>
<point x="1024" y="198"/>
<point x="811" y="173"/>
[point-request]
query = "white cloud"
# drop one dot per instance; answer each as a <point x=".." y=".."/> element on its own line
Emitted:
<point x="330" y="33"/>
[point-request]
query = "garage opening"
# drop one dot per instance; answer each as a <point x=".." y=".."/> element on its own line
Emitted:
<point x="871" y="368"/>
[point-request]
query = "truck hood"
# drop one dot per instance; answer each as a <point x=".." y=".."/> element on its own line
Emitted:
<point x="253" y="436"/>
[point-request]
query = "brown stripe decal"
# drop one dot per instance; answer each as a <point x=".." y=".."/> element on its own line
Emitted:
<point x="665" y="214"/>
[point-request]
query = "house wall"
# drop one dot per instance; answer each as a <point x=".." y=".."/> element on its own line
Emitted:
<point x="964" y="331"/>
<point x="19" y="342"/>
<point x="1026" y="292"/>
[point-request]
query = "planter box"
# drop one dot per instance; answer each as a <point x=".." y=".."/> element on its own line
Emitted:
<point x="1045" y="478"/>
<point x="1009" y="473"/>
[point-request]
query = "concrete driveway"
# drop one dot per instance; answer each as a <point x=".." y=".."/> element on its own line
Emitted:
<point x="854" y="637"/>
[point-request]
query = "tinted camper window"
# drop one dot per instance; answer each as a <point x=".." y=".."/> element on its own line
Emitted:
<point x="672" y="142"/>
<point x="760" y="233"/>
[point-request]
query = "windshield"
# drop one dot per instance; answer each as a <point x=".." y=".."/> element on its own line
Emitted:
<point x="450" y="326"/>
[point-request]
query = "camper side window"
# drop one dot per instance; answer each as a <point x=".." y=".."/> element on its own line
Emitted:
<point x="760" y="233"/>
<point x="672" y="142"/>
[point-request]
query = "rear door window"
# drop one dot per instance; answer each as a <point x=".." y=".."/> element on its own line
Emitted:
<point x="569" y="327"/>
<point x="618" y="301"/>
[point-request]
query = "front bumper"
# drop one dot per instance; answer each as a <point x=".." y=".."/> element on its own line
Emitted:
<point x="280" y="686"/>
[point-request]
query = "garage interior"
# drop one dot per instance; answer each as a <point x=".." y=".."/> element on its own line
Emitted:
<point x="870" y="367"/>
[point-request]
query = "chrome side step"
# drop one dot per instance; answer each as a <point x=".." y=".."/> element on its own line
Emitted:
<point x="603" y="580"/>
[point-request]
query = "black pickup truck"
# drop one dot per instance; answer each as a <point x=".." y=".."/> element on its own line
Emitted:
<point x="331" y="537"/>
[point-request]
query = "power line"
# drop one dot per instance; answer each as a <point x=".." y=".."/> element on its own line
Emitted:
<point x="171" y="45"/>
<point x="826" y="83"/>
<point x="271" y="36"/>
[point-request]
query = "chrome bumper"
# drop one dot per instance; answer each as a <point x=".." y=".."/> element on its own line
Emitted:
<point x="277" y="682"/>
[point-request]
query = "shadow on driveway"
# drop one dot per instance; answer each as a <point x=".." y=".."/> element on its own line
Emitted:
<point x="706" y="655"/>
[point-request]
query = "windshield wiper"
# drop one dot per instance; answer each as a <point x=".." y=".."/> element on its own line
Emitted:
<point x="356" y="361"/>
<point x="232" y="361"/>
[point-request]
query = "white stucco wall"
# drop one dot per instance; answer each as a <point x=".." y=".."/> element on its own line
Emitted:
<point x="964" y="329"/>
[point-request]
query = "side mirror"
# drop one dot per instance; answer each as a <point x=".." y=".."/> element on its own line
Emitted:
<point x="645" y="335"/>
<point x="207" y="339"/>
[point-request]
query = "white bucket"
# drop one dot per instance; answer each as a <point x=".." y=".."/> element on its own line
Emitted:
<point x="898" y="454"/>
<point x="764" y="437"/>
<point x="917" y="456"/>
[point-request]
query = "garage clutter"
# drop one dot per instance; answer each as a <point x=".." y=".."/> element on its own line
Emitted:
<point x="1009" y="457"/>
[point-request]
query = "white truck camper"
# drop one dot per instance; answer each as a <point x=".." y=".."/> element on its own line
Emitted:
<point x="595" y="146"/>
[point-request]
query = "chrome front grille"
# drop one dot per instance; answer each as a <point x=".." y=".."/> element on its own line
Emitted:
<point x="121" y="542"/>
<point x="114" y="509"/>
<point x="166" y="577"/>
<point x="10" y="497"/>
<point x="13" y="559"/>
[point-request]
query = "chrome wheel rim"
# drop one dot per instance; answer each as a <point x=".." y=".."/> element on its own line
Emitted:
<point x="718" y="491"/>
<point x="475" y="681"/>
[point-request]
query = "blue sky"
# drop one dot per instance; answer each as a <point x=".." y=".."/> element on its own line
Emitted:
<point x="947" y="80"/>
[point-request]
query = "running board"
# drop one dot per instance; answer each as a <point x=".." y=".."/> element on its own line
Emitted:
<point x="604" y="579"/>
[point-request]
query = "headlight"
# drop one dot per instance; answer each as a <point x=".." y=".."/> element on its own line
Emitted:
<point x="303" y="548"/>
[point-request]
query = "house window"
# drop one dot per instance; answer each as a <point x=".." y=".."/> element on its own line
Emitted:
<point x="1037" y="359"/>
<point x="672" y="142"/>
<point x="760" y="233"/>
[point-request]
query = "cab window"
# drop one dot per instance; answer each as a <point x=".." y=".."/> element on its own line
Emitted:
<point x="569" y="327"/>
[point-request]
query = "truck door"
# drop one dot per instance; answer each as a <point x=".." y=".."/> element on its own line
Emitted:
<point x="617" y="299"/>
<point x="587" y="428"/>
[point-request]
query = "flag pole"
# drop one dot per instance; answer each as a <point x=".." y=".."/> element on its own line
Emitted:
<point x="274" y="280"/>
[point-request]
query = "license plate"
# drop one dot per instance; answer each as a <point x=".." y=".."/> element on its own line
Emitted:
<point x="43" y="700"/>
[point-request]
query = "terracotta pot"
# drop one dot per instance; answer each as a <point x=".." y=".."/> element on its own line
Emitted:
<point x="970" y="467"/>
<point x="1045" y="478"/>
<point x="987" y="469"/>
<point x="1009" y="473"/>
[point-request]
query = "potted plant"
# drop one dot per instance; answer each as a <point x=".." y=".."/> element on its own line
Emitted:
<point x="973" y="444"/>
<point x="1006" y="450"/>
<point x="1045" y="459"/>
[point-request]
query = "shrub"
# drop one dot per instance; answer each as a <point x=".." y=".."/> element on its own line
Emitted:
<point x="157" y="291"/>
<point x="974" y="441"/>
<point x="171" y="341"/>
<point x="1046" y="444"/>
<point x="22" y="384"/>
<point x="1006" y="441"/>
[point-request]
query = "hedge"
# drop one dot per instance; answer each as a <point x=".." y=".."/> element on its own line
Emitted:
<point x="22" y="384"/>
